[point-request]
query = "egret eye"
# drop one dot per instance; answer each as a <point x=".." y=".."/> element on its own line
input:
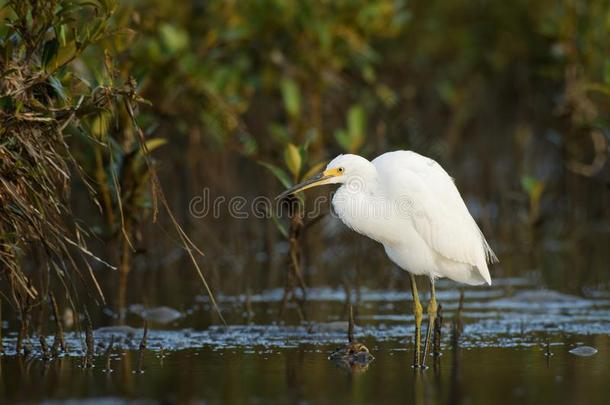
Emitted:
<point x="341" y="170"/>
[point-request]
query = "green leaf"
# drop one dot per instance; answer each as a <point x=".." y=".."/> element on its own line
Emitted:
<point x="292" y="158"/>
<point x="356" y="126"/>
<point x="278" y="173"/>
<point x="279" y="133"/>
<point x="60" y="34"/>
<point x="303" y="153"/>
<point x="248" y="142"/>
<point x="529" y="184"/>
<point x="100" y="125"/>
<point x="352" y="138"/>
<point x="386" y="95"/>
<point x="154" y="143"/>
<point x="368" y="73"/>
<point x="6" y="103"/>
<point x="291" y="96"/>
<point x="342" y="139"/>
<point x="49" y="51"/>
<point x="174" y="39"/>
<point x="447" y="91"/>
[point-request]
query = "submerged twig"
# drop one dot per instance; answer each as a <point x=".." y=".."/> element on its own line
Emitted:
<point x="1" y="343"/>
<point x="438" y="325"/>
<point x="107" y="355"/>
<point x="24" y="304"/>
<point x="350" y="327"/>
<point x="89" y="342"/>
<point x="457" y="326"/>
<point x="44" y="348"/>
<point x="294" y="271"/>
<point x="58" y="340"/>
<point x="142" y="349"/>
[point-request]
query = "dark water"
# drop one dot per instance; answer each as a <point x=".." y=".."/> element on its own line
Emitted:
<point x="303" y="374"/>
<point x="502" y="356"/>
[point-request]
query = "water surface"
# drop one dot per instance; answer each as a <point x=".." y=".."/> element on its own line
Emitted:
<point x="514" y="347"/>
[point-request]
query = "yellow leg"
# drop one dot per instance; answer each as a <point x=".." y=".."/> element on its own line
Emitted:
<point x="432" y="308"/>
<point x="417" y="311"/>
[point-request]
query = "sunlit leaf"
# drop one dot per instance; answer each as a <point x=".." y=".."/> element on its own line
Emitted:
<point x="292" y="158"/>
<point x="174" y="39"/>
<point x="356" y="126"/>
<point x="528" y="183"/>
<point x="60" y="34"/>
<point x="63" y="55"/>
<point x="100" y="125"/>
<point x="154" y="143"/>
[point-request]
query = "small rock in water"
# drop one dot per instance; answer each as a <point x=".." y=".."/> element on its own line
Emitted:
<point x="161" y="315"/>
<point x="329" y="327"/>
<point x="584" y="351"/>
<point x="116" y="330"/>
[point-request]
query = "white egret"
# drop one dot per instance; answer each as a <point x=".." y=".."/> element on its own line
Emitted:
<point x="409" y="204"/>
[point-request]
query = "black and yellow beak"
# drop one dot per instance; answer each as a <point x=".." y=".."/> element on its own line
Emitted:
<point x="317" y="180"/>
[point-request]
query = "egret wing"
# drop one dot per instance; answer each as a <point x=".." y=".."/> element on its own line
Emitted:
<point x="424" y="193"/>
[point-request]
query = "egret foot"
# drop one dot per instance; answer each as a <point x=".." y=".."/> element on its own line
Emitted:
<point x="418" y="312"/>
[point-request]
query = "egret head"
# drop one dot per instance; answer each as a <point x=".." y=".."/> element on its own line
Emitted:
<point x="340" y="170"/>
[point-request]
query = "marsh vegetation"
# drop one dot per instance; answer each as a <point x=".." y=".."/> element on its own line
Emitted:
<point x="115" y="116"/>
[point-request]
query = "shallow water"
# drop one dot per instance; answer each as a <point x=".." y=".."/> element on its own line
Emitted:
<point x="263" y="375"/>
<point x="502" y="353"/>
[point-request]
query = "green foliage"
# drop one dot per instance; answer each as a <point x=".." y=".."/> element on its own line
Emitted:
<point x="446" y="79"/>
<point x="232" y="54"/>
<point x="292" y="159"/>
<point x="291" y="96"/>
<point x="352" y="138"/>
<point x="297" y="163"/>
<point x="43" y="99"/>
<point x="174" y="40"/>
<point x="47" y="100"/>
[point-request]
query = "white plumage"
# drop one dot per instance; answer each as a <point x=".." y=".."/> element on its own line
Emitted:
<point x="410" y="204"/>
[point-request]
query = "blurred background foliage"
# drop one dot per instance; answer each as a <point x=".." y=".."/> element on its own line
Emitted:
<point x="513" y="98"/>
